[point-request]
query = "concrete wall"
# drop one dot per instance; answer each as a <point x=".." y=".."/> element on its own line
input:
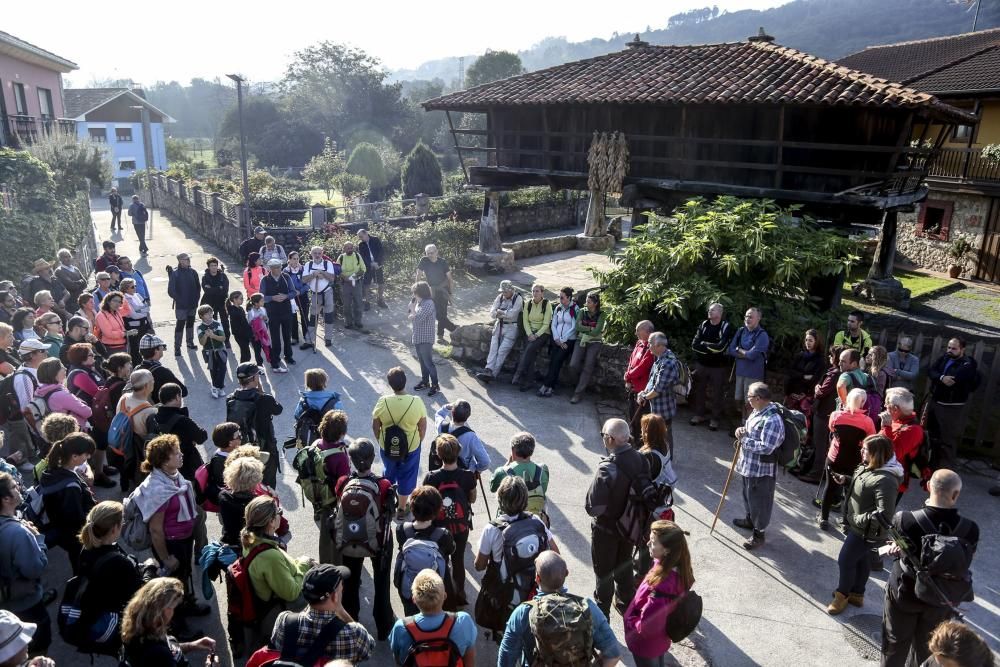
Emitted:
<point x="967" y="221"/>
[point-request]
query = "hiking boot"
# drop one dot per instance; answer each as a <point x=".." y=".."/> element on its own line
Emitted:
<point x="824" y="524"/>
<point x="713" y="425"/>
<point x="328" y="342"/>
<point x="306" y="346"/>
<point x="485" y="376"/>
<point x="695" y="421"/>
<point x="434" y="390"/>
<point x="838" y="604"/>
<point x="516" y="379"/>
<point x="105" y="482"/>
<point x="756" y="540"/>
<point x="856" y="599"/>
<point x="420" y="385"/>
<point x="192" y="346"/>
<point x="745" y="523"/>
<point x="382" y="304"/>
<point x="177" y="351"/>
<point x="575" y="399"/>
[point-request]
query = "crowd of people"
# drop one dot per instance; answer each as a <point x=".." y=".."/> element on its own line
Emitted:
<point x="85" y="402"/>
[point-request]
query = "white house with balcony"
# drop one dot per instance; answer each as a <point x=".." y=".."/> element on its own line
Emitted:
<point x="115" y="116"/>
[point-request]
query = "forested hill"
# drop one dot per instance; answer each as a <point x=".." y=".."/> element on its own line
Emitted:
<point x="830" y="29"/>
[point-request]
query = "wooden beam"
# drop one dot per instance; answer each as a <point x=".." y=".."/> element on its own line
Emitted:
<point x="779" y="155"/>
<point x="547" y="137"/>
<point x="458" y="148"/>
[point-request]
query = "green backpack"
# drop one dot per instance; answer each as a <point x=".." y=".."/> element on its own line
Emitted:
<point x="310" y="463"/>
<point x="563" y="630"/>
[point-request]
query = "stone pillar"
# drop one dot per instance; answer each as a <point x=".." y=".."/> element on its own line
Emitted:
<point x="318" y="216"/>
<point x="489" y="227"/>
<point x="216" y="203"/>
<point x="423" y="203"/>
<point x="196" y="192"/>
<point x="594" y="226"/>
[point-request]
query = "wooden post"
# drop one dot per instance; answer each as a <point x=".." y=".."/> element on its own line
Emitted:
<point x="779" y="150"/>
<point x="885" y="253"/>
<point x="489" y="226"/>
<point x="454" y="137"/>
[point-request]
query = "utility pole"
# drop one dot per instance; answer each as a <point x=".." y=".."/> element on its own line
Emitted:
<point x="147" y="149"/>
<point x="243" y="150"/>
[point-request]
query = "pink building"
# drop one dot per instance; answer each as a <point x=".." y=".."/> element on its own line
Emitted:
<point x="31" y="91"/>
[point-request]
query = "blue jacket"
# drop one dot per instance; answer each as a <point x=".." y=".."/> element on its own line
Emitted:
<point x="184" y="287"/>
<point x="140" y="283"/>
<point x="215" y="557"/>
<point x="473" y="452"/>
<point x="23" y="559"/>
<point x="316" y="399"/>
<point x="756" y="344"/>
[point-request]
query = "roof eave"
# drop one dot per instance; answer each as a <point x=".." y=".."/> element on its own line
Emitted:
<point x="37" y="56"/>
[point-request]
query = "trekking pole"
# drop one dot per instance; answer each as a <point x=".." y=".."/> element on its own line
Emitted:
<point x="725" y="488"/>
<point x="482" y="488"/>
<point x="313" y="313"/>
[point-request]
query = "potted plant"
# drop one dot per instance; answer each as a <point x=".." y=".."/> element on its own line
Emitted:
<point x="958" y="251"/>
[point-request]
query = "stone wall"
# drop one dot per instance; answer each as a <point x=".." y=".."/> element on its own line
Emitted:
<point x="967" y="221"/>
<point x="517" y="220"/>
<point x="214" y="226"/>
<point x="548" y="245"/>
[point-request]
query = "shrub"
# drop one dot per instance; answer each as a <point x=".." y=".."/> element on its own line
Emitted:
<point x="75" y="163"/>
<point x="365" y="161"/>
<point x="421" y="173"/>
<point x="286" y="200"/>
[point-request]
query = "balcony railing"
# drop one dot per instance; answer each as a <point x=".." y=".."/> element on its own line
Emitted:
<point x="964" y="165"/>
<point x="20" y="130"/>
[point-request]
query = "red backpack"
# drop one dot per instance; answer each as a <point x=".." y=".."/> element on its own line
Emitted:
<point x="434" y="648"/>
<point x="243" y="601"/>
<point x="104" y="406"/>
<point x="456" y="512"/>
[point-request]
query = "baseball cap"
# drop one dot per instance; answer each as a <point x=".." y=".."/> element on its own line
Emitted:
<point x="32" y="345"/>
<point x="246" y="370"/>
<point x="103" y="275"/>
<point x="322" y="581"/>
<point x="259" y="230"/>
<point x="505" y="285"/>
<point x="274" y="262"/>
<point x="151" y="342"/>
<point x="15" y="634"/>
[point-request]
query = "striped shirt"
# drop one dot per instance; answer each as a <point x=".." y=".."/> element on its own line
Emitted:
<point x="765" y="431"/>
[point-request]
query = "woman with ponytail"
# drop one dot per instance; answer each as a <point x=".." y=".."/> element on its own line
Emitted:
<point x="67" y="497"/>
<point x="667" y="581"/>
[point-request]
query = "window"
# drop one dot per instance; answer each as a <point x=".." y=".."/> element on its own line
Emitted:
<point x="98" y="134"/>
<point x="45" y="103"/>
<point x="123" y="134"/>
<point x="20" y="100"/>
<point x="963" y="133"/>
<point x="934" y="221"/>
<point x="126" y="165"/>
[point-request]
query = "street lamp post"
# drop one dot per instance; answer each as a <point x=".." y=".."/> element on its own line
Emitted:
<point x="243" y="149"/>
<point x="147" y="149"/>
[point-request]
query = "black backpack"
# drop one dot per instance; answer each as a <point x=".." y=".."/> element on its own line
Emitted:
<point x="943" y="575"/>
<point x="88" y="630"/>
<point x="433" y="460"/>
<point x="10" y="406"/>
<point x="243" y="412"/>
<point x="395" y="442"/>
<point x="685" y="616"/>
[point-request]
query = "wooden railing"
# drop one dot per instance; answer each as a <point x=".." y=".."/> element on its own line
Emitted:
<point x="964" y="164"/>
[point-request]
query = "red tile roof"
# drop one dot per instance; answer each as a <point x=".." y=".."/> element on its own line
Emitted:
<point x="943" y="65"/>
<point x="751" y="72"/>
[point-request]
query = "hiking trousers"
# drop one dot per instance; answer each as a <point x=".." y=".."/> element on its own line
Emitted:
<point x="501" y="344"/>
<point x="583" y="361"/>
<point x="944" y="421"/>
<point x="758" y="499"/>
<point x="612" y="559"/>
<point x="381" y="579"/>
<point x="707" y="380"/>
<point x="905" y="626"/>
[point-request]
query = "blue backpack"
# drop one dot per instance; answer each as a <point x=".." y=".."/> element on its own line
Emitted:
<point x="120" y="431"/>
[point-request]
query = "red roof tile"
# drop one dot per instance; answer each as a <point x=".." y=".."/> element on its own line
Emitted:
<point x="734" y="73"/>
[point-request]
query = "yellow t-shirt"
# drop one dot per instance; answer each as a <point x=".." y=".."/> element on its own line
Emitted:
<point x="405" y="410"/>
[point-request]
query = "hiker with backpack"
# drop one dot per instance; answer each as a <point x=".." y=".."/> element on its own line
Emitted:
<point x="139" y="214"/>
<point x="313" y="404"/>
<point x="151" y="349"/>
<point x="320" y="464"/>
<point x="899" y="423"/>
<point x="556" y="627"/>
<point x="589" y="343"/>
<point x="457" y="487"/>
<point x="254" y="410"/>
<point x="536" y="320"/>
<point x="423" y="545"/>
<point x="362" y="526"/>
<point x="129" y="429"/>
<point x="52" y="396"/>
<point x="210" y="477"/>
<point x="849" y="427"/>
<point x="749" y="346"/>
<point x="66" y="498"/>
<point x="104" y="404"/>
<point x="659" y="390"/>
<point x="651" y="615"/>
<point x="927" y="585"/>
<point x="812" y="458"/>
<point x="506" y="315"/>
<point x="535" y="476"/>
<point x="758" y="439"/>
<point x="710" y="372"/>
<point x="324" y="631"/>
<point x="619" y="501"/>
<point x="854" y="337"/>
<point x="146" y="639"/>
<point x="871" y="491"/>
<point x="563" y="339"/>
<point x="453" y="418"/>
<point x="172" y="418"/>
<point x="433" y="636"/>
<point x="852" y="377"/>
<point x="656" y="450"/>
<point x="16" y="392"/>
<point x="507" y="550"/>
<point x="399" y="422"/>
<point x="953" y="376"/>
<point x="108" y="577"/>
<point x="23" y="561"/>
<point x="352" y="277"/>
<point x="243" y="477"/>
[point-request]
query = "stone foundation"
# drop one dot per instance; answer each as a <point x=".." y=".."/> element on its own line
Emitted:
<point x="595" y="243"/>
<point x="543" y="246"/>
<point x="490" y="262"/>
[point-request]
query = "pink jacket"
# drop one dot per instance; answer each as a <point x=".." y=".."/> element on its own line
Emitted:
<point x="646" y="617"/>
<point x="60" y="400"/>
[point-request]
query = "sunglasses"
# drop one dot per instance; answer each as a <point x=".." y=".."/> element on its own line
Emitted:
<point x="903" y="349"/>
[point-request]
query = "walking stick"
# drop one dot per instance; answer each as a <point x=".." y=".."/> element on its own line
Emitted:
<point x="482" y="488"/>
<point x="725" y="489"/>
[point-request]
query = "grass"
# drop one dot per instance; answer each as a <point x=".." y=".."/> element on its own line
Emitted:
<point x="919" y="284"/>
<point x="206" y="155"/>
<point x="320" y="196"/>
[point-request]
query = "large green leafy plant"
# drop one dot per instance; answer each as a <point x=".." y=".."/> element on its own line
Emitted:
<point x="739" y="252"/>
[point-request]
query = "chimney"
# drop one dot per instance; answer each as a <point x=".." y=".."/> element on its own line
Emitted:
<point x="761" y="36"/>
<point x="636" y="43"/>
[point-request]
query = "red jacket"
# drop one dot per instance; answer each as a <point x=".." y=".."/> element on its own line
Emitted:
<point x="639" y="366"/>
<point x="907" y="436"/>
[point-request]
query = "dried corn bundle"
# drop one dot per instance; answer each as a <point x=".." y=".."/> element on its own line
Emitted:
<point x="608" y="158"/>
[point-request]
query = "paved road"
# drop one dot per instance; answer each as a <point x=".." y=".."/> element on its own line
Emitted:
<point x="766" y="608"/>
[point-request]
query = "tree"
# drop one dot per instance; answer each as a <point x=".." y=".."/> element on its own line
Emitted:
<point x="177" y="150"/>
<point x="75" y="163"/>
<point x="738" y="252"/>
<point x="350" y="185"/>
<point x="421" y="173"/>
<point x="323" y="168"/>
<point x="493" y="66"/>
<point x="365" y="161"/>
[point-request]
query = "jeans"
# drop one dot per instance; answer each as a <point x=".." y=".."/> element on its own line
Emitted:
<point x="428" y="370"/>
<point x="116" y="217"/>
<point x="381" y="578"/>
<point x="854" y="565"/>
<point x="217" y="366"/>
<point x="529" y="353"/>
<point x="833" y="494"/>
<point x="351" y="295"/>
<point x="441" y="298"/>
<point x="140" y="232"/>
<point x="557" y="357"/>
<point x="758" y="499"/>
<point x="612" y="559"/>
<point x="583" y="361"/>
<point x="280" y="326"/>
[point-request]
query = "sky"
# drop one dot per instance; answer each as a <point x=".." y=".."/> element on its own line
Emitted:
<point x="181" y="39"/>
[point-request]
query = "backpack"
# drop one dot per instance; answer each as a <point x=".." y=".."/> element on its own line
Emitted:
<point x="433" y="460"/>
<point x="432" y="648"/>
<point x="416" y="555"/>
<point x="135" y="530"/>
<point x="201" y="477"/>
<point x="536" y="496"/>
<point x="89" y="631"/>
<point x="307" y="425"/>
<point x="243" y="605"/>
<point x="10" y="406"/>
<point x="512" y="580"/>
<point x="795" y="434"/>
<point x="685" y="616"/>
<point x="359" y="518"/>
<point x="563" y="630"/>
<point x="291" y="653"/>
<point x="943" y="577"/>
<point x="682" y="387"/>
<point x="633" y="523"/>
<point x="120" y="432"/>
<point x="102" y="405"/>
<point x="396" y="444"/>
<point x="311" y="466"/>
<point x="39" y="408"/>
<point x="663" y="483"/>
<point x="873" y="402"/>
<point x="456" y="510"/>
<point x="243" y="412"/>
<point x="33" y="504"/>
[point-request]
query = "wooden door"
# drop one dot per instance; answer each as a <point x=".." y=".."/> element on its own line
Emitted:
<point x="988" y="267"/>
